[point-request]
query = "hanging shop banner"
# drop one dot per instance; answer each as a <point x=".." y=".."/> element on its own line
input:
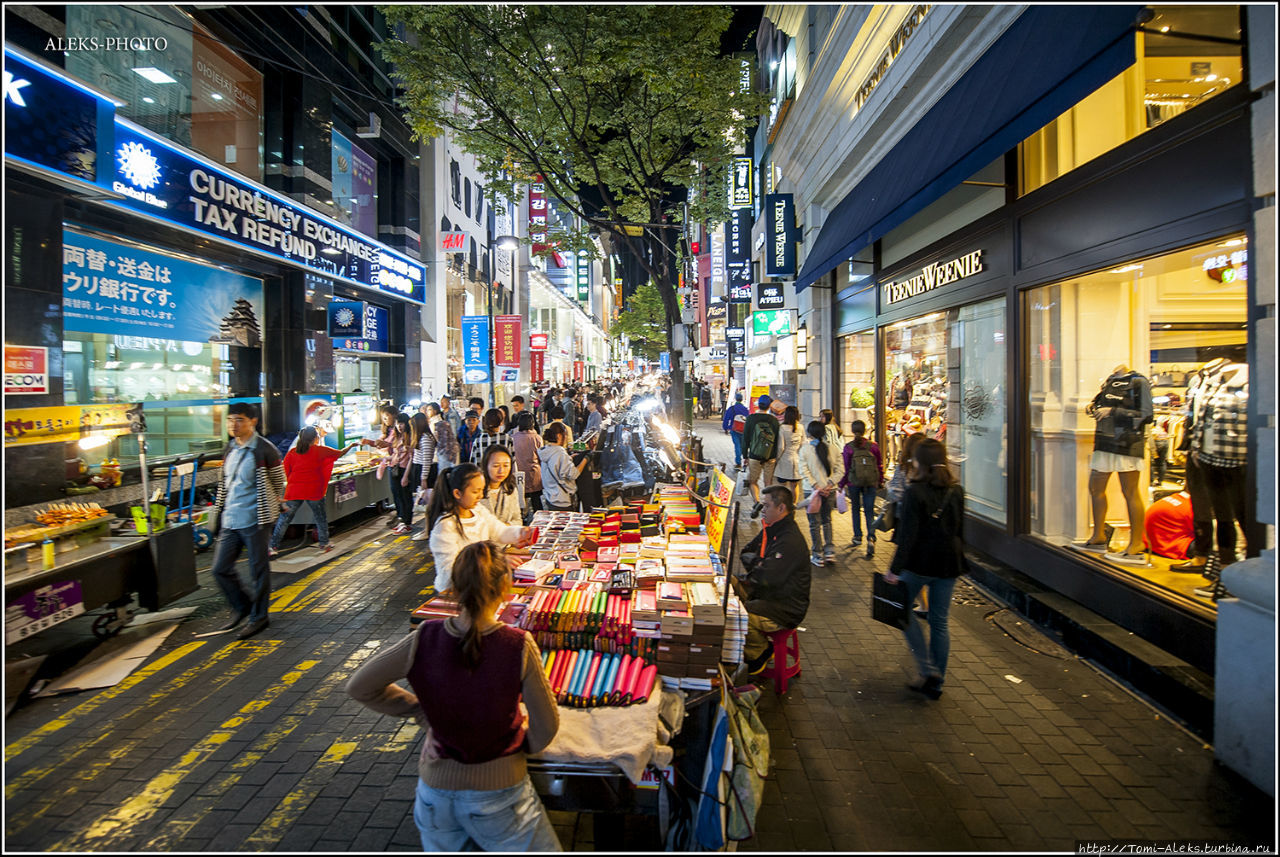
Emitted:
<point x="537" y="372"/>
<point x="67" y="423"/>
<point x="772" y="323"/>
<point x="780" y="256"/>
<point x="717" y="312"/>
<point x="721" y="495"/>
<point x="355" y="178"/>
<point x="579" y="370"/>
<point x="118" y="289"/>
<point x="52" y="122"/>
<point x="738" y="239"/>
<point x="770" y="296"/>
<point x="160" y="180"/>
<point x="26" y="370"/>
<point x="506" y="340"/>
<point x="537" y="215"/>
<point x="475" y="349"/>
<point x="538" y="341"/>
<point x="359" y="326"/>
<point x="664" y="361"/>
<point x="584" y="276"/>
<point x="740" y="196"/>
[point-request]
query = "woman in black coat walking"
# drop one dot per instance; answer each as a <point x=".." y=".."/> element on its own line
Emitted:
<point x="930" y="538"/>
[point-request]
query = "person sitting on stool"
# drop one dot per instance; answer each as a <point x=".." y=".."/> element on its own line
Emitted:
<point x="775" y="590"/>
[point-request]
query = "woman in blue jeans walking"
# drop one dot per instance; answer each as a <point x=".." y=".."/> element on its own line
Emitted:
<point x="930" y="538"/>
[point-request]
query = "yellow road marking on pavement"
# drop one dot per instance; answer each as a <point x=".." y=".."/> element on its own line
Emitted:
<point x="292" y="805"/>
<point x="325" y="594"/>
<point x="38" y="734"/>
<point x="142" y="806"/>
<point x="281" y="598"/>
<point x="257" y="649"/>
<point x="403" y="740"/>
<point x="195" y="809"/>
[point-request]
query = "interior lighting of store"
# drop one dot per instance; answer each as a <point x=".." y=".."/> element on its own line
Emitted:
<point x="936" y="316"/>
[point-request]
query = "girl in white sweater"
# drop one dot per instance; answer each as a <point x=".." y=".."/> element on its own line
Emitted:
<point x="825" y="469"/>
<point x="457" y="518"/>
<point x="500" y="494"/>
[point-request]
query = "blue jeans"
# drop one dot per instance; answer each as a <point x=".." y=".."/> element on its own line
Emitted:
<point x="862" y="498"/>
<point x="255" y="602"/>
<point x="510" y="819"/>
<point x="932" y="660"/>
<point x="291" y="508"/>
<point x="820" y="525"/>
<point x="737" y="448"/>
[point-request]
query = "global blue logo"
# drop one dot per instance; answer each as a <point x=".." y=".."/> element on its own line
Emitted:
<point x="139" y="165"/>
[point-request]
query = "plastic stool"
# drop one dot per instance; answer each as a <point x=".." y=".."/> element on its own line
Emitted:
<point x="786" y="658"/>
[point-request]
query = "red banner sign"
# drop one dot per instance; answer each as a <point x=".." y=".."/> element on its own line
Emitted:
<point x="536" y="372"/>
<point x="579" y="370"/>
<point x="506" y="340"/>
<point x="26" y="369"/>
<point x="538" y="341"/>
<point x="538" y="215"/>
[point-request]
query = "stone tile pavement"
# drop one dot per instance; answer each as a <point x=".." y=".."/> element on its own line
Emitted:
<point x="218" y="745"/>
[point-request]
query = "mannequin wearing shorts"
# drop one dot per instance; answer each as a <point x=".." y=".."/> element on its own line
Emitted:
<point x="1122" y="408"/>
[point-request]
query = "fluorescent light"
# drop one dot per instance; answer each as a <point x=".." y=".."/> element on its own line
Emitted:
<point x="154" y="75"/>
<point x="94" y="441"/>
<point x="216" y="96"/>
<point x="147" y="99"/>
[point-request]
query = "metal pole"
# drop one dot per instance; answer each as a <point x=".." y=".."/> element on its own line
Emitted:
<point x="493" y="263"/>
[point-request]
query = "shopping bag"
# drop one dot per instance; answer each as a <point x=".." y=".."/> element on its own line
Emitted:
<point x="842" y="503"/>
<point x="814" y="506"/>
<point x="889" y="602"/>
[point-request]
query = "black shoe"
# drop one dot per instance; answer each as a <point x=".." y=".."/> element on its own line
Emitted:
<point x="871" y="548"/>
<point x="931" y="687"/>
<point x="253" y="628"/>
<point x="755" y="666"/>
<point x="857" y="542"/>
<point x="236" y="619"/>
<point x="755" y="511"/>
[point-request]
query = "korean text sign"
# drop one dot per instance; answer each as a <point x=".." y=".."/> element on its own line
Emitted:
<point x="475" y="349"/>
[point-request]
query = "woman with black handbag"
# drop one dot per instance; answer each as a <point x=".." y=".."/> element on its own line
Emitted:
<point x="930" y="555"/>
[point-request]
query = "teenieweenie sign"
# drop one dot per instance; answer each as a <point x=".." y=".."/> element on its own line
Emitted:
<point x="933" y="276"/>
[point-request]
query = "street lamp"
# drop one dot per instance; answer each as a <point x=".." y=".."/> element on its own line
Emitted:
<point x="506" y="242"/>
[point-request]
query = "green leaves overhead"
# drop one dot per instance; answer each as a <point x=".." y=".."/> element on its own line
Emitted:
<point x="644" y="322"/>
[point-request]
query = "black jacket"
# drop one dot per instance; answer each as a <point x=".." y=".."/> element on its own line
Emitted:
<point x="930" y="531"/>
<point x="778" y="582"/>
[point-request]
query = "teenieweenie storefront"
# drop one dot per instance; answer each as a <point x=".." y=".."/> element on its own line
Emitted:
<point x="998" y="338"/>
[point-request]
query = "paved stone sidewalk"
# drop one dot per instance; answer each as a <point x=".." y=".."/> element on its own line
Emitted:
<point x="218" y="745"/>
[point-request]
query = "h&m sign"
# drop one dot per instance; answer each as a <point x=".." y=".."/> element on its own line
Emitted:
<point x="933" y="276"/>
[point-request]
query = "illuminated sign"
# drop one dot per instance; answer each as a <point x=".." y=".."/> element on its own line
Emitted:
<point x="933" y="276"/>
<point x="772" y="323"/>
<point x="740" y="195"/>
<point x="52" y="122"/>
<point x="780" y="222"/>
<point x="453" y="242"/>
<point x="770" y="296"/>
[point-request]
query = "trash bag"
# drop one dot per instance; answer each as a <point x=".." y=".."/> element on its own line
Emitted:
<point x="750" y="741"/>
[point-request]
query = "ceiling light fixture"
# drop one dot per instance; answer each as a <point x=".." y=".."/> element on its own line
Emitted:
<point x="154" y="75"/>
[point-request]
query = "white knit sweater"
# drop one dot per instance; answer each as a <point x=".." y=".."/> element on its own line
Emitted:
<point x="451" y="534"/>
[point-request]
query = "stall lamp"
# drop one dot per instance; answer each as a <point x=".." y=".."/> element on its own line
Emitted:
<point x="94" y="441"/>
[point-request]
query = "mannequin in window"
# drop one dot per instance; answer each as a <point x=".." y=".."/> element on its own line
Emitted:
<point x="1217" y="450"/>
<point x="1122" y="408"/>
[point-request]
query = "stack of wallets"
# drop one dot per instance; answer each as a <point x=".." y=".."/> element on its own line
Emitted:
<point x="649" y="573"/>
<point x="438" y="607"/>
<point x="693" y="655"/>
<point x="532" y="570"/>
<point x="671" y="596"/>
<point x="645" y="616"/>
<point x="678" y="506"/>
<point x="735" y="630"/>
<point x="581" y="678"/>
<point x="689" y="569"/>
<point x="704" y="604"/>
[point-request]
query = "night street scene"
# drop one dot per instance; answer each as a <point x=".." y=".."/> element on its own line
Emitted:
<point x="640" y="428"/>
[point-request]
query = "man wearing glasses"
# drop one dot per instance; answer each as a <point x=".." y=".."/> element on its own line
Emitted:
<point x="249" y="493"/>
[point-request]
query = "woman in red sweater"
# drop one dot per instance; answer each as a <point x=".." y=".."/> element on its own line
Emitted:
<point x="307" y="468"/>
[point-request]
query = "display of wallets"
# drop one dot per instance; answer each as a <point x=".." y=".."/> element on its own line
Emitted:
<point x="622" y="583"/>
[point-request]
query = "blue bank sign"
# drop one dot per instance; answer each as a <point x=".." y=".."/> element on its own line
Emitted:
<point x="163" y="181"/>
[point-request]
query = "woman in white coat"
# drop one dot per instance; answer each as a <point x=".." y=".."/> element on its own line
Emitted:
<point x="790" y="440"/>
<point x="824" y="468"/>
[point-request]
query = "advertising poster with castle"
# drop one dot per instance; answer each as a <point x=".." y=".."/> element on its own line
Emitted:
<point x="114" y="288"/>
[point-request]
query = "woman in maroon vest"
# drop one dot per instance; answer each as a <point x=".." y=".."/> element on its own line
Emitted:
<point x="468" y="677"/>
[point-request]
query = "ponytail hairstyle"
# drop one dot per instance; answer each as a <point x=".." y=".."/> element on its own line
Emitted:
<point x="443" y="502"/>
<point x="306" y="437"/>
<point x="930" y="464"/>
<point x="480" y="578"/>
<point x="818" y="432"/>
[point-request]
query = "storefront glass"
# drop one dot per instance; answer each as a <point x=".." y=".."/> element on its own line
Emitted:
<point x="857" y="380"/>
<point x="947" y="377"/>
<point x="1172" y="73"/>
<point x="1140" y="371"/>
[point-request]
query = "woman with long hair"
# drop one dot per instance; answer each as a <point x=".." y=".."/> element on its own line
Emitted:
<point x="307" y="468"/>
<point x="790" y="439"/>
<point x="497" y="465"/>
<point x="930" y="556"/>
<point x="386" y="435"/>
<point x="457" y="518"/>
<point x="525" y="444"/>
<point x="825" y="470"/>
<point x="446" y="442"/>
<point x="478" y="688"/>
<point x="400" y="464"/>
<point x="835" y="435"/>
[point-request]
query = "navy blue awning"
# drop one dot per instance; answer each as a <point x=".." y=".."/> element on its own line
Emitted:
<point x="1046" y="62"/>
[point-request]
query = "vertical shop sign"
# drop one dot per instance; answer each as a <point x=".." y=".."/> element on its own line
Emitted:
<point x="26" y="370"/>
<point x="717" y="264"/>
<point x="475" y="349"/>
<point x="584" y="276"/>
<point x="664" y="361"/>
<point x="355" y="179"/>
<point x="507" y="340"/>
<point x="537" y="371"/>
<point x="738" y="256"/>
<point x="780" y="254"/>
<point x="538" y="215"/>
<point x="740" y="195"/>
<point x="579" y="370"/>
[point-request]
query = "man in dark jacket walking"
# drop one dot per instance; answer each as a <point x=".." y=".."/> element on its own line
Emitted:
<point x="775" y="590"/>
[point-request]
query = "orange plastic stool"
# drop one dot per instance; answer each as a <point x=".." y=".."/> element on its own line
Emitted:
<point x="786" y="658"/>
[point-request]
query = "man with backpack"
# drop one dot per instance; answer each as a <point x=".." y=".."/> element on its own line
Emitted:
<point x="734" y="424"/>
<point x="863" y="477"/>
<point x="760" y="445"/>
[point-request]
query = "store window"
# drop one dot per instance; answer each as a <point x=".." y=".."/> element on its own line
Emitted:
<point x="1138" y="393"/>
<point x="947" y="378"/>
<point x="1173" y="72"/>
<point x="858" y="380"/>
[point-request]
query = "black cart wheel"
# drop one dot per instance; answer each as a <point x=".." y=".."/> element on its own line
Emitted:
<point x="107" y="625"/>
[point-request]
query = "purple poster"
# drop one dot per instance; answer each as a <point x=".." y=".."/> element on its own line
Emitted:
<point x="364" y="184"/>
<point x="42" y="608"/>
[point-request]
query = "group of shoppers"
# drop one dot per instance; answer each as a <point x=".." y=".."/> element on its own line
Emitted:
<point x="926" y="508"/>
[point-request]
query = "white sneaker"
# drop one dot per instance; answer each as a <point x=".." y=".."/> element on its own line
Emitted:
<point x="421" y="536"/>
<point x="400" y="530"/>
